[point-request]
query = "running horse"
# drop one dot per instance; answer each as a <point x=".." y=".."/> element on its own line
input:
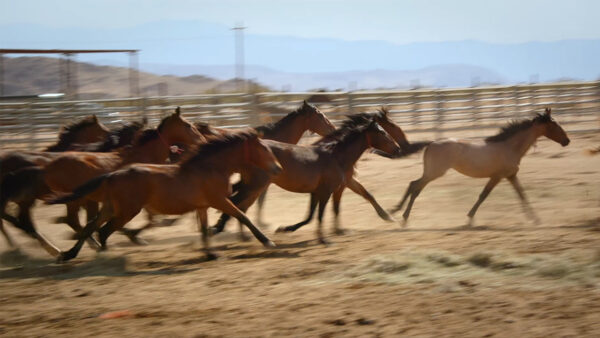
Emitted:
<point x="499" y="157"/>
<point x="199" y="182"/>
<point x="70" y="169"/>
<point x="289" y="130"/>
<point x="383" y="119"/>
<point x="318" y="169"/>
<point x="85" y="131"/>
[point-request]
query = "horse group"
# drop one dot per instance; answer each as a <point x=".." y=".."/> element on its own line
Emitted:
<point x="113" y="175"/>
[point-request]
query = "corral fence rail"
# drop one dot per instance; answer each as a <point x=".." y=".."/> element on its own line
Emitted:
<point x="465" y="112"/>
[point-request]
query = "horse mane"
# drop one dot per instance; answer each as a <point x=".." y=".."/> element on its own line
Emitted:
<point x="352" y="122"/>
<point x="68" y="132"/>
<point x="146" y="136"/>
<point x="215" y="145"/>
<point x="284" y="120"/>
<point x="116" y="139"/>
<point x="516" y="126"/>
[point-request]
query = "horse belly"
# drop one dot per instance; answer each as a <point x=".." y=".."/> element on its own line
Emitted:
<point x="169" y="197"/>
<point x="478" y="163"/>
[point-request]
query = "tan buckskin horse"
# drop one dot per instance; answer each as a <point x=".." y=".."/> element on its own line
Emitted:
<point x="72" y="169"/>
<point x="499" y="157"/>
<point x="319" y="169"/>
<point x="200" y="182"/>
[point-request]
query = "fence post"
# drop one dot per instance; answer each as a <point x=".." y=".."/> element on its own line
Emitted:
<point x="254" y="110"/>
<point x="32" y="127"/>
<point x="415" y="106"/>
<point x="440" y="114"/>
<point x="516" y="99"/>
<point x="475" y="107"/>
<point x="350" y="106"/>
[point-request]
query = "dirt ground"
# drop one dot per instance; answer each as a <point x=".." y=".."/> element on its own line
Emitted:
<point x="505" y="277"/>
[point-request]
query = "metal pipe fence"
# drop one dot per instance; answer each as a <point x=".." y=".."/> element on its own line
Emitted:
<point x="466" y="112"/>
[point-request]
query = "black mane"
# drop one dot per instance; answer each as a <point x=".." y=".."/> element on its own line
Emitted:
<point x="351" y="123"/>
<point x="514" y="127"/>
<point x="68" y="132"/>
<point x="214" y="146"/>
<point x="286" y="119"/>
<point x="117" y="139"/>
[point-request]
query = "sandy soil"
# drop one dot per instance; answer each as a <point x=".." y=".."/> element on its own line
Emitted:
<point x="506" y="277"/>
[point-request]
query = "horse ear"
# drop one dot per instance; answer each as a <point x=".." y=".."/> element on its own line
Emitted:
<point x="144" y="121"/>
<point x="177" y="111"/>
<point x="94" y="118"/>
<point x="548" y="111"/>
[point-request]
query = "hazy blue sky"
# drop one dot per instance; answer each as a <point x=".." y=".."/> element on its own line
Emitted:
<point x="395" y="21"/>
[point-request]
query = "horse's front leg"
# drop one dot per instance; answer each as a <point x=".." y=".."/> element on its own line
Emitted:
<point x="514" y="181"/>
<point x="311" y="212"/>
<point x="358" y="188"/>
<point x="484" y="194"/>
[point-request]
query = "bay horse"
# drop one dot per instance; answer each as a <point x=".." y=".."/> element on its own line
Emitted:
<point x="288" y="129"/>
<point x="199" y="182"/>
<point x="84" y="131"/>
<point x="317" y="169"/>
<point x="499" y="157"/>
<point x="382" y="118"/>
<point x="71" y="169"/>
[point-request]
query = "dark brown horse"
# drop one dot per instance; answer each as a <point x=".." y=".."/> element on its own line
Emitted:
<point x="499" y="157"/>
<point x="71" y="169"/>
<point x="200" y="182"/>
<point x="318" y="169"/>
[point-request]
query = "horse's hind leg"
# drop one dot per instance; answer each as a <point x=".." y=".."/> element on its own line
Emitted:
<point x="9" y="239"/>
<point x="226" y="206"/>
<point x="322" y="204"/>
<point x="358" y="188"/>
<point x="202" y="220"/>
<point x="104" y="215"/>
<point x="486" y="191"/>
<point x="311" y="212"/>
<point x="337" y="199"/>
<point x="416" y="187"/>
<point x="400" y="205"/>
<point x="26" y="224"/>
<point x="260" y="203"/>
<point x="524" y="202"/>
<point x="73" y="222"/>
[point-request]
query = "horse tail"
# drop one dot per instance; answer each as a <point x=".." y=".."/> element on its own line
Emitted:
<point x="406" y="150"/>
<point x="79" y="192"/>
<point x="22" y="184"/>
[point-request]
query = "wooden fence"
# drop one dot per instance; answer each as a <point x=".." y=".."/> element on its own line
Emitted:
<point x="468" y="112"/>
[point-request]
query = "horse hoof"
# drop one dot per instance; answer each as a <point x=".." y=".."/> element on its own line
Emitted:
<point x="64" y="256"/>
<point x="269" y="244"/>
<point x="324" y="241"/>
<point x="283" y="229"/>
<point x="404" y="223"/>
<point x="211" y="256"/>
<point x="340" y="231"/>
<point x="214" y="230"/>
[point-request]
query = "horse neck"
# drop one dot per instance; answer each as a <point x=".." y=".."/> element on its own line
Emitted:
<point x="522" y="141"/>
<point x="286" y="132"/>
<point x="227" y="161"/>
<point x="153" y="151"/>
<point x="396" y="133"/>
<point x="347" y="153"/>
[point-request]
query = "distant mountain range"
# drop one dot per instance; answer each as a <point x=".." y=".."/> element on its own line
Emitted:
<point x="186" y="48"/>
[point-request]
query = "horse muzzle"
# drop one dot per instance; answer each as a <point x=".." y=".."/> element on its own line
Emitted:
<point x="565" y="142"/>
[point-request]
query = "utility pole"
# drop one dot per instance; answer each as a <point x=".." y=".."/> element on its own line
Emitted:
<point x="239" y="56"/>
